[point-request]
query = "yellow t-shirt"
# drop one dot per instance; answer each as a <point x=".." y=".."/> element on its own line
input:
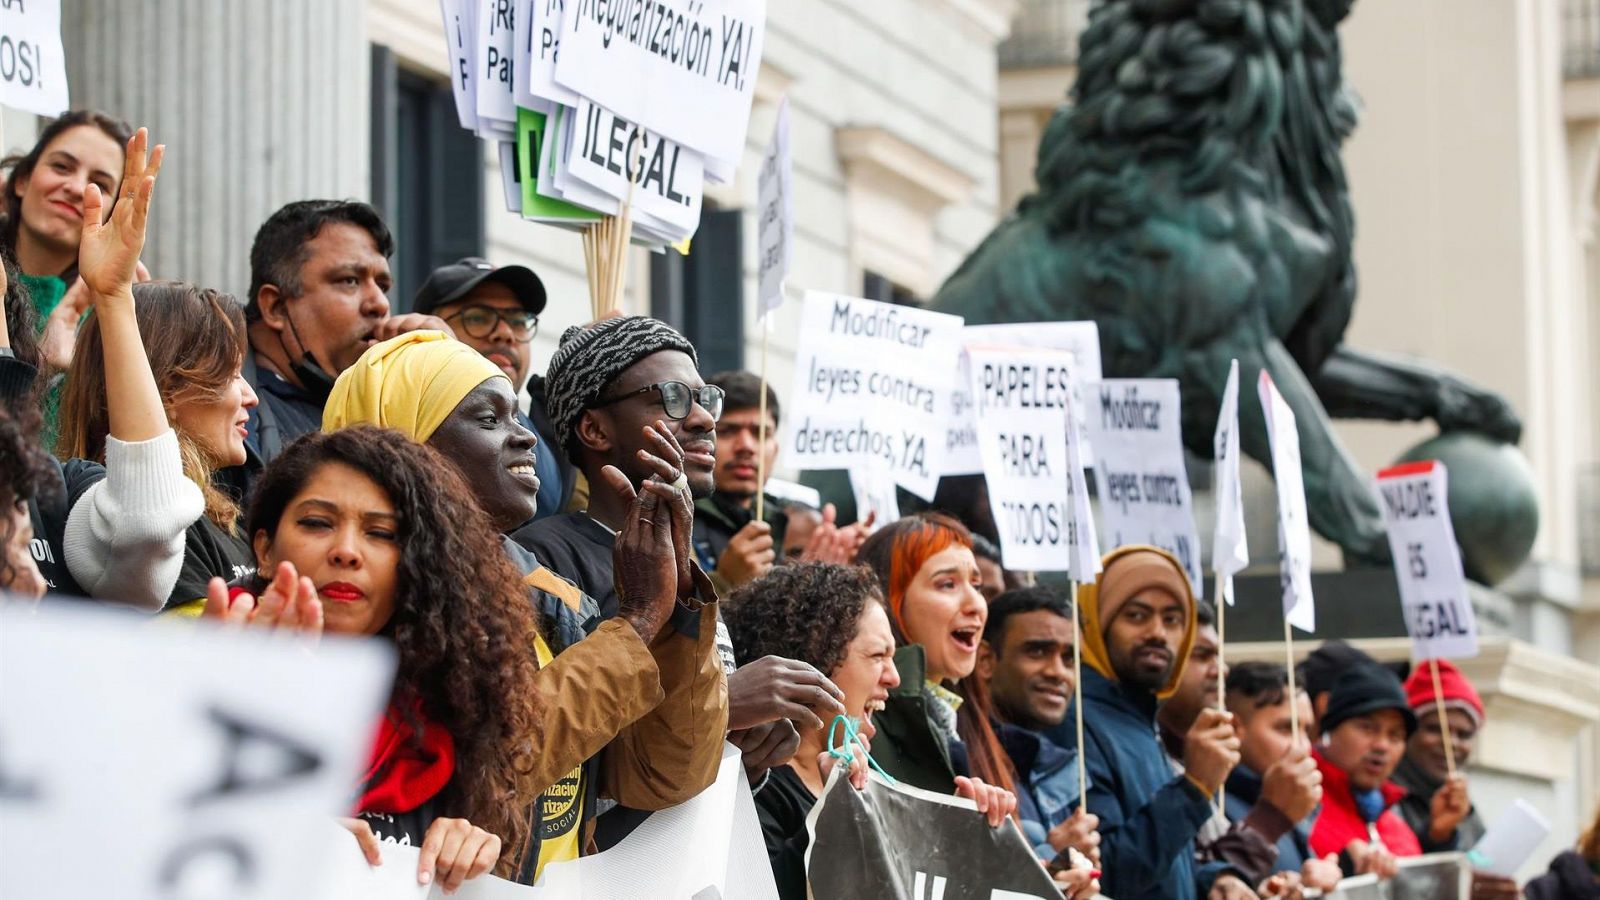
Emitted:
<point x="561" y="805"/>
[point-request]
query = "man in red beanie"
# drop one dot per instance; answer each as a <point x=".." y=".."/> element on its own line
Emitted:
<point x="1423" y="771"/>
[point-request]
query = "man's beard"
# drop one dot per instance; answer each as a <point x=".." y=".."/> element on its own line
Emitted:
<point x="1130" y="673"/>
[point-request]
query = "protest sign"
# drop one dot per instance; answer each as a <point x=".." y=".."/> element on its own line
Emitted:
<point x="33" y="68"/>
<point x="875" y="494"/>
<point x="785" y="491"/>
<point x="1427" y="562"/>
<point x="194" y="761"/>
<point x="462" y="41"/>
<point x="1023" y="397"/>
<point x="869" y="383"/>
<point x="510" y="176"/>
<point x="775" y="207"/>
<point x="538" y="41"/>
<point x="1136" y="432"/>
<point x="900" y="841"/>
<point x="1080" y="339"/>
<point x="1432" y="876"/>
<point x="684" y="69"/>
<point x="532" y="133"/>
<point x="1085" y="543"/>
<point x="668" y="181"/>
<point x="1229" y="552"/>
<point x="496" y="89"/>
<point x="1510" y="840"/>
<point x="1294" y="528"/>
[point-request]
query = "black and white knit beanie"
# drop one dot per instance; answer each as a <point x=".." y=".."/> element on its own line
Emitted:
<point x="590" y="357"/>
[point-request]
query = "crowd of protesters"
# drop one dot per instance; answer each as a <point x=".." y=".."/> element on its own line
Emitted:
<point x="588" y="590"/>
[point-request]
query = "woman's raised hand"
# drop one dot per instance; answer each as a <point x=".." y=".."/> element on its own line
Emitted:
<point x="290" y="603"/>
<point x="108" y="253"/>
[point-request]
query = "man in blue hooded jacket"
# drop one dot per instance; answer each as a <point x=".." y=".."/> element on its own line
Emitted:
<point x="1138" y="627"/>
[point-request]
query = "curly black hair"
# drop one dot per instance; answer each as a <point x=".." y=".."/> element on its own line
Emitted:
<point x="462" y="623"/>
<point x="805" y="611"/>
<point x="24" y="471"/>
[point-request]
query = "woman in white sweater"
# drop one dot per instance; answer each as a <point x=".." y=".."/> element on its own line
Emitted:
<point x="114" y="532"/>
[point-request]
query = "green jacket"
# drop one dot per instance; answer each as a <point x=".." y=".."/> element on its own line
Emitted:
<point x="907" y="745"/>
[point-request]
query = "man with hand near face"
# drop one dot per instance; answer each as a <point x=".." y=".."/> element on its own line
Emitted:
<point x="495" y="311"/>
<point x="1138" y="628"/>
<point x="730" y="543"/>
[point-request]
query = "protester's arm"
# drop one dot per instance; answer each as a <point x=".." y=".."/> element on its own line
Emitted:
<point x="1138" y="846"/>
<point x="1249" y="847"/>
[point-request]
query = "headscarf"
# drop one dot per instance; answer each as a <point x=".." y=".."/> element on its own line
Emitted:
<point x="591" y="357"/>
<point x="411" y="383"/>
<point x="1125" y="572"/>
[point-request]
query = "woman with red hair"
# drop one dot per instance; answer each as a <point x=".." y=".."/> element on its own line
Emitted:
<point x="929" y="735"/>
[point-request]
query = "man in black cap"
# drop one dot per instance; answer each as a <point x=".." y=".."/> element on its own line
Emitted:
<point x="496" y="312"/>
<point x="1318" y="673"/>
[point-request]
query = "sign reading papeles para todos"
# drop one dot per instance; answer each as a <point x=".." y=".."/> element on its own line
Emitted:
<point x="870" y="380"/>
<point x="1427" y="562"/>
<point x="684" y="69"/>
<point x="33" y="69"/>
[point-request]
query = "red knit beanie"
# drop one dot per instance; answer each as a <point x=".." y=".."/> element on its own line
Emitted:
<point x="1458" y="691"/>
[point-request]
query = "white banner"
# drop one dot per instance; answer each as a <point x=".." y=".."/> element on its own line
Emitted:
<point x="33" y="68"/>
<point x="1294" y="527"/>
<point x="1023" y="398"/>
<point x="496" y="90"/>
<point x="538" y="42"/>
<point x="461" y="39"/>
<point x="870" y="382"/>
<point x="669" y="180"/>
<point x="1427" y="562"/>
<point x="1229" y="552"/>
<point x="775" y="206"/>
<point x="874" y="490"/>
<point x="1136" y="430"/>
<point x="141" y="759"/>
<point x="685" y="69"/>
<point x="1079" y="339"/>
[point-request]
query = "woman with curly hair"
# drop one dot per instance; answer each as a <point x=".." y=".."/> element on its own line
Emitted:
<point x="367" y="533"/>
<point x="23" y="468"/>
<point x="830" y="617"/>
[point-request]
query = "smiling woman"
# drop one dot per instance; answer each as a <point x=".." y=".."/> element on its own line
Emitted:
<point x="44" y="193"/>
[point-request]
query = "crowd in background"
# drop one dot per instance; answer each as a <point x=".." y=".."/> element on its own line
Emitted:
<point x="585" y="603"/>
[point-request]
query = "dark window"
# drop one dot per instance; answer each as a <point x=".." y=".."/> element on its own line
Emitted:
<point x="877" y="287"/>
<point x="702" y="294"/>
<point x="427" y="175"/>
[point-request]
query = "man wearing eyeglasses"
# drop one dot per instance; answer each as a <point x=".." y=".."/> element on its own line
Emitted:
<point x="496" y="312"/>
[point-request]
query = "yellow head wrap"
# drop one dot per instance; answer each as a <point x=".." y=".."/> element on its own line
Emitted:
<point x="411" y="383"/>
<point x="1125" y="572"/>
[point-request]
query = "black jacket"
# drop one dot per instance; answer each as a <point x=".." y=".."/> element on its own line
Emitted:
<point x="1571" y="877"/>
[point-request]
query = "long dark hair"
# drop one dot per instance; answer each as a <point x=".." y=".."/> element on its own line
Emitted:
<point x="22" y="325"/>
<point x="195" y="340"/>
<point x="24" y="471"/>
<point x="895" y="553"/>
<point x="22" y="164"/>
<point x="462" y="623"/>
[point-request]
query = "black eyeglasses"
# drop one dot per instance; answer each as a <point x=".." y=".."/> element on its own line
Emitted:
<point x="481" y="321"/>
<point x="677" y="399"/>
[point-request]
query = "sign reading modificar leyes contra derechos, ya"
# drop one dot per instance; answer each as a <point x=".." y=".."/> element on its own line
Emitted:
<point x="1134" y="426"/>
<point x="1021" y="400"/>
<point x="870" y="381"/>
<point x="1427" y="562"/>
<point x="685" y="69"/>
<point x="33" y="69"/>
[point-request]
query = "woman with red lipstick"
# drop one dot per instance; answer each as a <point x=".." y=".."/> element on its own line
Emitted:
<point x="929" y="736"/>
<point x="384" y="536"/>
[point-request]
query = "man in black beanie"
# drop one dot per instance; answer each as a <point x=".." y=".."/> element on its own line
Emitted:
<point x="1318" y="673"/>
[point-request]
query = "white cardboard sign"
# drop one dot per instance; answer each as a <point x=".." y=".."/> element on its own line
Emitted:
<point x="874" y="490"/>
<point x="462" y="42"/>
<point x="870" y="382"/>
<point x="33" y="67"/>
<point x="1079" y="339"/>
<point x="538" y="43"/>
<point x="1135" y="428"/>
<point x="669" y="180"/>
<point x="1294" y="526"/>
<point x="1427" y="562"/>
<point x="685" y="69"/>
<point x="497" y="44"/>
<point x="1229" y="552"/>
<point x="775" y="207"/>
<point x="1023" y="398"/>
<point x="196" y="762"/>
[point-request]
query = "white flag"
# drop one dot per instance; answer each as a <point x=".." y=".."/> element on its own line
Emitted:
<point x="1294" y="530"/>
<point x="1229" y="554"/>
<point x="775" y="206"/>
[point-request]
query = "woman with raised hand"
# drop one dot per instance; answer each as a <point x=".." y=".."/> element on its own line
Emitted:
<point x="369" y="534"/>
<point x="113" y="531"/>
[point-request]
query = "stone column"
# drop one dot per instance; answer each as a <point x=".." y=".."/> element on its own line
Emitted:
<point x="258" y="104"/>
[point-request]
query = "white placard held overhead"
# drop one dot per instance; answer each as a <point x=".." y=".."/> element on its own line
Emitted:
<point x="1229" y="552"/>
<point x="1427" y="562"/>
<point x="870" y="381"/>
<point x="1023" y="399"/>
<point x="685" y="69"/>
<point x="33" y="68"/>
<point x="195" y="761"/>
<point x="1135" y="428"/>
<point x="462" y="41"/>
<point x="538" y="41"/>
<point x="496" y="90"/>
<point x="1511" y="840"/>
<point x="875" y="494"/>
<point x="775" y="207"/>
<point x="669" y="180"/>
<point x="1079" y="339"/>
<point x="1085" y="541"/>
<point x="1294" y="526"/>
